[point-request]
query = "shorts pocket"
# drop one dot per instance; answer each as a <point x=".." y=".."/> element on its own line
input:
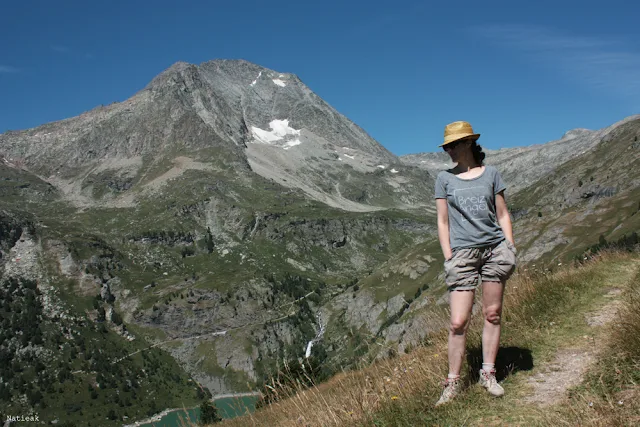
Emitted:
<point x="501" y="264"/>
<point x="449" y="262"/>
<point x="447" y="265"/>
<point x="449" y="269"/>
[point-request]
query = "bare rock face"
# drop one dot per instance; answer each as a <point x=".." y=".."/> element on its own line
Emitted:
<point x="413" y="268"/>
<point x="23" y="259"/>
<point x="362" y="310"/>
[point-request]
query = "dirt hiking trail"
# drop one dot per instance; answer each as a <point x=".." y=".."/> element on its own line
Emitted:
<point x="552" y="382"/>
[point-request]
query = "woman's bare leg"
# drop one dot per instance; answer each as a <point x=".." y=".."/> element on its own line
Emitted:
<point x="492" y="293"/>
<point x="460" y="303"/>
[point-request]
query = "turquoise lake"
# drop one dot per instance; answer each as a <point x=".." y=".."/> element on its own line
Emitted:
<point x="228" y="407"/>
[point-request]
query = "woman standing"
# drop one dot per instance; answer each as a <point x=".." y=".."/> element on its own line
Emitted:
<point x="475" y="234"/>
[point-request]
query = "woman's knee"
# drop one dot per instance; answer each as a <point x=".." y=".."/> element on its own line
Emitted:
<point x="492" y="314"/>
<point x="459" y="325"/>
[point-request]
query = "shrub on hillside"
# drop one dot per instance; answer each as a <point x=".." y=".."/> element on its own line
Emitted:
<point x="208" y="414"/>
<point x="629" y="243"/>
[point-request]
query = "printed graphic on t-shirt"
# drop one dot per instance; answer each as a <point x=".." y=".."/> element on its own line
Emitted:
<point x="473" y="201"/>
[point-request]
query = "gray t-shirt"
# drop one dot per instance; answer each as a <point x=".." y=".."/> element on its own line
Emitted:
<point x="472" y="208"/>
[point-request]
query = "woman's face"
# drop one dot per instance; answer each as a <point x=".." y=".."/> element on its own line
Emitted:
<point x="455" y="148"/>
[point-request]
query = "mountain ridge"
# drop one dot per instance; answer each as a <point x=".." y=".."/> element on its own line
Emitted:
<point x="214" y="111"/>
<point x="523" y="166"/>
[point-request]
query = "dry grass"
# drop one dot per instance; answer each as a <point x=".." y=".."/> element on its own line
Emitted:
<point x="401" y="390"/>
<point x="354" y="396"/>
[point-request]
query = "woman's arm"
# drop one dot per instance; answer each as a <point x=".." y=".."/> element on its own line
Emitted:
<point x="443" y="227"/>
<point x="503" y="217"/>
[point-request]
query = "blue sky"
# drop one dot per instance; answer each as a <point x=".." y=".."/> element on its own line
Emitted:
<point x="520" y="73"/>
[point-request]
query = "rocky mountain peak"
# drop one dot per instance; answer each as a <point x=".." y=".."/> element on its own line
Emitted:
<point x="162" y="78"/>
<point x="228" y="114"/>
<point x="242" y="72"/>
<point x="574" y="133"/>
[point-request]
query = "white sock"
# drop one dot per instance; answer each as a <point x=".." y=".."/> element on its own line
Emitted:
<point x="487" y="367"/>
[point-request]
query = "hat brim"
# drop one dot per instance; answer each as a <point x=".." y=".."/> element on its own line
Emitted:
<point x="473" y="136"/>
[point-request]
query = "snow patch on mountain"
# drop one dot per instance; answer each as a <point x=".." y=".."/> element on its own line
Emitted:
<point x="279" y="82"/>
<point x="280" y="130"/>
<point x="253" y="83"/>
<point x="293" y="143"/>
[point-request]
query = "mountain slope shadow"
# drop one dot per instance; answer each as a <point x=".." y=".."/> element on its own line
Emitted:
<point x="508" y="361"/>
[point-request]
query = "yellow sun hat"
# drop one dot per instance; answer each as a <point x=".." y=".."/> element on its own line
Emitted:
<point x="458" y="130"/>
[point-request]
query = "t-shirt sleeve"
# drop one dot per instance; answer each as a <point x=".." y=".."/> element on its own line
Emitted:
<point x="498" y="183"/>
<point x="441" y="189"/>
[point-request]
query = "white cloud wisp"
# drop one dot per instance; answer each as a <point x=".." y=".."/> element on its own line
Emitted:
<point x="605" y="64"/>
<point x="7" y="69"/>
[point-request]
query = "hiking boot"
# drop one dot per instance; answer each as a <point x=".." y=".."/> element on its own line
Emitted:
<point x="451" y="390"/>
<point x="488" y="380"/>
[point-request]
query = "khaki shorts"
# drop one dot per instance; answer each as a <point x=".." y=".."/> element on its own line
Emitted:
<point x="468" y="266"/>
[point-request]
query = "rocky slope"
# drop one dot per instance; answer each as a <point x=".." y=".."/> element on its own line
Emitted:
<point x="594" y="194"/>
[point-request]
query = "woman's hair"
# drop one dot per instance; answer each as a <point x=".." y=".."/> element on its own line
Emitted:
<point x="478" y="154"/>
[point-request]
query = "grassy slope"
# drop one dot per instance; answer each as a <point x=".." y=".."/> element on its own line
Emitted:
<point x="544" y="313"/>
<point x="547" y="320"/>
<point x="559" y="204"/>
<point x="163" y="212"/>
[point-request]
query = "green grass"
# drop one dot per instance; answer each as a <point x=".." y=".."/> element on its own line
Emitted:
<point x="386" y="284"/>
<point x="207" y="351"/>
<point x="612" y="219"/>
<point x="612" y="164"/>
